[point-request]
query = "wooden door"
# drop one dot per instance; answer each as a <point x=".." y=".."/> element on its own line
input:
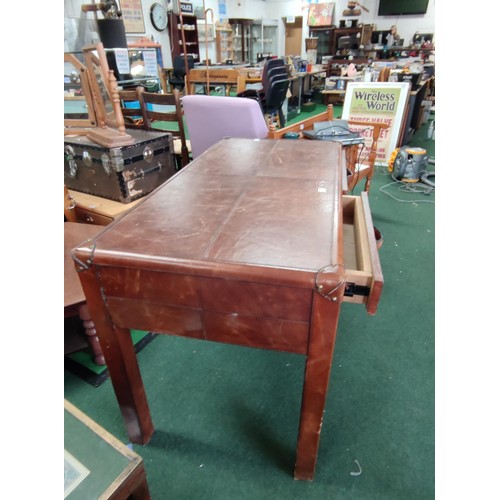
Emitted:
<point x="293" y="37"/>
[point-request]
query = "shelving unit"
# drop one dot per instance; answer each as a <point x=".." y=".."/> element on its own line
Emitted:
<point x="224" y="44"/>
<point x="385" y="54"/>
<point x="190" y="34"/>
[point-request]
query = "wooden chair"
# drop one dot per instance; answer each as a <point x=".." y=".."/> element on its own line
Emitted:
<point x="359" y="166"/>
<point x="153" y="115"/>
<point x="131" y="109"/>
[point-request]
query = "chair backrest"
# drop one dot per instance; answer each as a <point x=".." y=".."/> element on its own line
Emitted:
<point x="211" y="118"/>
<point x="165" y="108"/>
<point x="227" y="77"/>
<point x="272" y="73"/>
<point x="179" y="65"/>
<point x="276" y="93"/>
<point x="131" y="108"/>
<point x="178" y="76"/>
<point x="273" y="63"/>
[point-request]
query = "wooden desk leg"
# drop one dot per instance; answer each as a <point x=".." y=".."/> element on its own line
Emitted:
<point x="121" y="360"/>
<point x="322" y="335"/>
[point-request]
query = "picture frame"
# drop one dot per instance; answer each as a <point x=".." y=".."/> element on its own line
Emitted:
<point x="321" y="14"/>
<point x="210" y="31"/>
<point x="384" y="102"/>
<point x="132" y="16"/>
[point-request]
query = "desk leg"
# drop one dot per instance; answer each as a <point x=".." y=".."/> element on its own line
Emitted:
<point x="322" y="335"/>
<point x="300" y="93"/>
<point x="119" y="353"/>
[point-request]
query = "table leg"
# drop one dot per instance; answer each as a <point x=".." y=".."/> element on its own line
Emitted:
<point x="121" y="360"/>
<point x="141" y="492"/>
<point x="322" y="335"/>
<point x="90" y="332"/>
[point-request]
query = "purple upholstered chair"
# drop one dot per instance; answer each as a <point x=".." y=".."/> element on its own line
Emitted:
<point x="211" y="118"/>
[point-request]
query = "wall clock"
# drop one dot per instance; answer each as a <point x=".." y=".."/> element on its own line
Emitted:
<point x="158" y="16"/>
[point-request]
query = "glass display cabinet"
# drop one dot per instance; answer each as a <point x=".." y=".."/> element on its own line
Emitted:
<point x="325" y="41"/>
<point x="264" y="39"/>
<point x="242" y="39"/>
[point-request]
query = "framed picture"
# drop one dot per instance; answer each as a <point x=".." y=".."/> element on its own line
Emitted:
<point x="208" y="29"/>
<point x="382" y="102"/>
<point x="132" y="16"/>
<point x="198" y="9"/>
<point x="320" y="14"/>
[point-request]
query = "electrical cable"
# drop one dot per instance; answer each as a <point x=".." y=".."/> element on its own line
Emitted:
<point x="417" y="187"/>
<point x="425" y="178"/>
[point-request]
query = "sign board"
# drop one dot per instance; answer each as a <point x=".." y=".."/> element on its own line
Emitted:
<point x="380" y="102"/>
<point x="187" y="8"/>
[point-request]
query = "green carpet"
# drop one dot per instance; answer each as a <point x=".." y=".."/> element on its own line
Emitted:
<point x="226" y="417"/>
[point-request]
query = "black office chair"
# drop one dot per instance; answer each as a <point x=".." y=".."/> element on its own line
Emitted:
<point x="177" y="79"/>
<point x="271" y="68"/>
<point x="275" y="97"/>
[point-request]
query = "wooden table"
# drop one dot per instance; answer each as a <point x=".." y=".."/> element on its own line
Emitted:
<point x="96" y="464"/>
<point x="251" y="244"/>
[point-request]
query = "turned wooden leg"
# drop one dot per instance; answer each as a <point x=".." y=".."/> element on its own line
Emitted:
<point x="90" y="332"/>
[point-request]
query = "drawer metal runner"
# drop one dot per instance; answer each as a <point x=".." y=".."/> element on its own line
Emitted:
<point x="352" y="289"/>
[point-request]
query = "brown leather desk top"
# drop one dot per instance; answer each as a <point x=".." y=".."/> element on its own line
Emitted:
<point x="242" y="246"/>
<point x="261" y="203"/>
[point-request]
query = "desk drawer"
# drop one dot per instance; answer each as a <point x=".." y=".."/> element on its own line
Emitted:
<point x="361" y="260"/>
<point x="90" y="217"/>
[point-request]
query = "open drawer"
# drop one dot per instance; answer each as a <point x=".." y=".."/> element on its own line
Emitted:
<point x="364" y="279"/>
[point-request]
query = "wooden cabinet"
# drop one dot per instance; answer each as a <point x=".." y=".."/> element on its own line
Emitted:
<point x="224" y="44"/>
<point x="191" y="45"/>
<point x="325" y="41"/>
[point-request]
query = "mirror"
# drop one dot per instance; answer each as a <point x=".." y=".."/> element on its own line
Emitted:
<point x="98" y="71"/>
<point x="78" y="104"/>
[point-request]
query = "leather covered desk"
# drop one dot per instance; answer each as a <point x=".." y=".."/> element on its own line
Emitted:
<point x="251" y="244"/>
